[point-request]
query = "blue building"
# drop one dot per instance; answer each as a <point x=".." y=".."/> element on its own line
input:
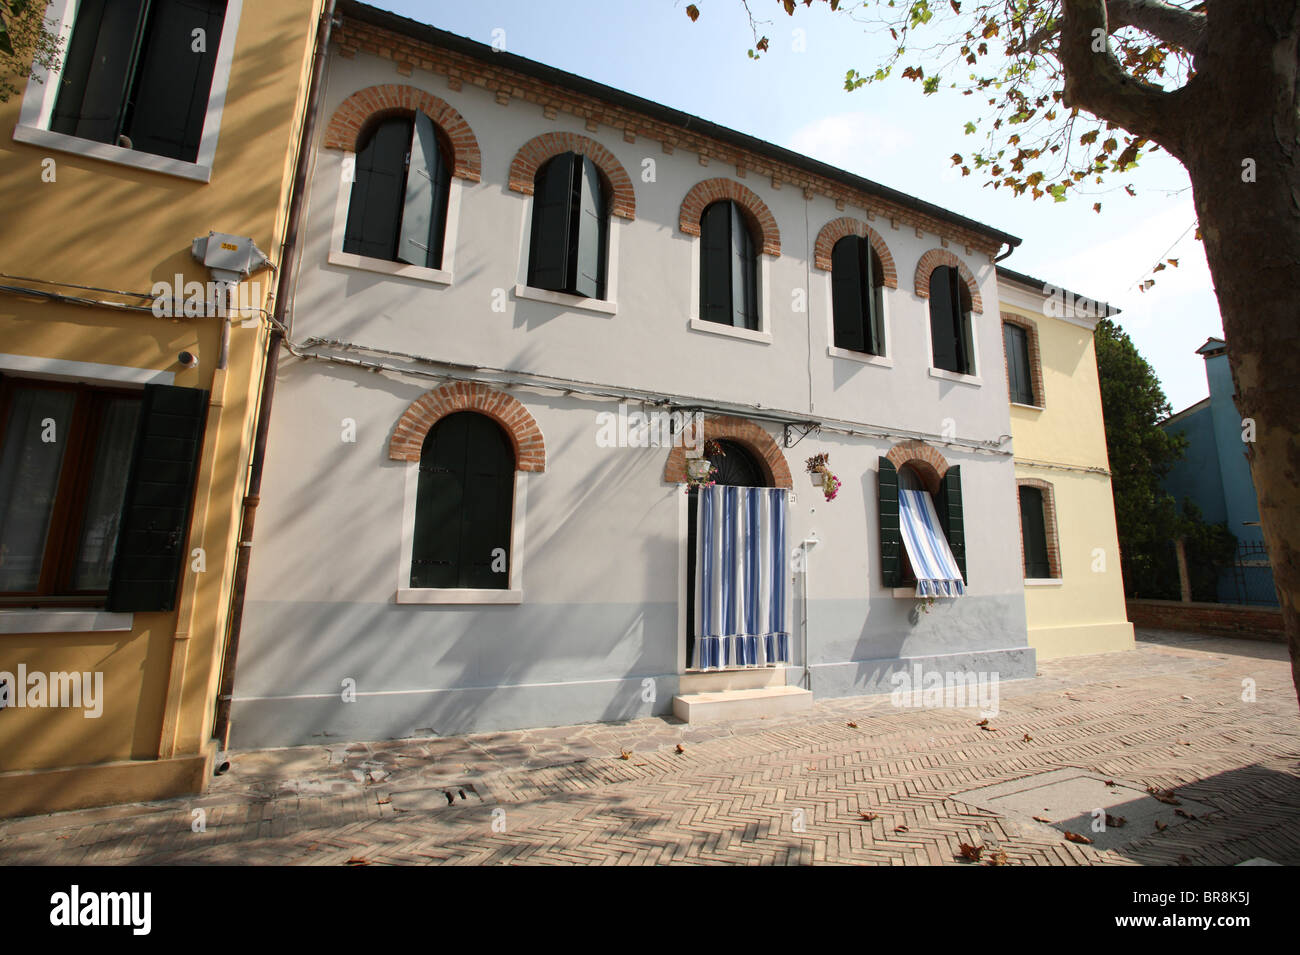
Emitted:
<point x="1215" y="475"/>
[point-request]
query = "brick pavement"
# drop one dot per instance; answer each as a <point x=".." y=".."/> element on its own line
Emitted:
<point x="784" y="790"/>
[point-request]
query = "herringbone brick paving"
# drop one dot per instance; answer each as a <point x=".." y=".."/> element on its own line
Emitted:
<point x="789" y="790"/>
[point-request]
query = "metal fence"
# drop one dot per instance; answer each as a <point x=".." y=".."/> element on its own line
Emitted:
<point x="1250" y="578"/>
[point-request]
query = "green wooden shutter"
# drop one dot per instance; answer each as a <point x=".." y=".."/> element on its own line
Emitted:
<point x="489" y="504"/>
<point x="592" y="238"/>
<point x="846" y="294"/>
<point x="715" y="264"/>
<point x="159" y="495"/>
<point x="942" y="340"/>
<point x="744" y="273"/>
<point x="440" y="499"/>
<point x="169" y="92"/>
<point x="1033" y="530"/>
<point x="424" y="207"/>
<point x="950" y="516"/>
<point x="891" y="535"/>
<point x="1019" y="380"/>
<point x="961" y="317"/>
<point x="375" y="208"/>
<point x="96" y="76"/>
<point x="548" y="259"/>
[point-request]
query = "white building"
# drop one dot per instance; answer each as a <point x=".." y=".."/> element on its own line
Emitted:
<point x="536" y="575"/>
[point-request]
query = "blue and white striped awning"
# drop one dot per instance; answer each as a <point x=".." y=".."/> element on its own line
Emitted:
<point x="927" y="547"/>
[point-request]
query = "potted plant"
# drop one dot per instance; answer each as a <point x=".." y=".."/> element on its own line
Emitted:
<point x="819" y="471"/>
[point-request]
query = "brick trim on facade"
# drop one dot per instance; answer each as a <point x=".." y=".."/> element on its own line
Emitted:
<point x="1035" y="357"/>
<point x="425" y="411"/>
<point x="531" y="156"/>
<point x="361" y="107"/>
<point x="1049" y="522"/>
<point x="703" y="194"/>
<point x="837" y="229"/>
<point x="922" y="458"/>
<point x="754" y="437"/>
<point x="937" y="257"/>
<point x="407" y="54"/>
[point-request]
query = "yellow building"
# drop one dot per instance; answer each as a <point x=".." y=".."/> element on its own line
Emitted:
<point x="1074" y="591"/>
<point x="128" y="392"/>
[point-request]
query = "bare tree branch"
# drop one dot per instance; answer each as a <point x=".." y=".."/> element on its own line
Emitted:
<point x="1095" y="81"/>
<point x="1174" y="25"/>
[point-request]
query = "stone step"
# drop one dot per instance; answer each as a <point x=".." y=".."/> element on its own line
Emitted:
<point x="741" y="704"/>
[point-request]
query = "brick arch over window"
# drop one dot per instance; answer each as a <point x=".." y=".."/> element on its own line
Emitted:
<point x="704" y="194"/>
<point x="937" y="257"/>
<point x="1035" y="356"/>
<point x="1049" y="523"/>
<point x="424" y="412"/>
<point x="837" y="229"/>
<point x="523" y="170"/>
<point x="361" y="107"/>
<point x="756" y="440"/>
<point x="930" y="466"/>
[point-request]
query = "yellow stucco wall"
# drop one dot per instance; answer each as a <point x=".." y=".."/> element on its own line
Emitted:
<point x="108" y="225"/>
<point x="1084" y="611"/>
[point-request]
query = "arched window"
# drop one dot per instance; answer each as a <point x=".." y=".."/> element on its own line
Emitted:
<point x="570" y="236"/>
<point x="398" y="209"/>
<point x="950" y="324"/>
<point x="857" y="296"/>
<point x="728" y="267"/>
<point x="464" y="505"/>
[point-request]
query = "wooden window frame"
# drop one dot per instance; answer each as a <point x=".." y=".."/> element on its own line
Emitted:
<point x="68" y="515"/>
<point x="1035" y="360"/>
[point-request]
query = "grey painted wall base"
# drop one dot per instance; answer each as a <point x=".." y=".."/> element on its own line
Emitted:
<point x="866" y="677"/>
<point x="296" y="721"/>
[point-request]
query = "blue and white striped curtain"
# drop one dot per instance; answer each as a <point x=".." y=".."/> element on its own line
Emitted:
<point x="741" y="580"/>
<point x="927" y="547"/>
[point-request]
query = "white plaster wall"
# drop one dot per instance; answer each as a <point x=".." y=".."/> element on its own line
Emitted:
<point x="600" y="612"/>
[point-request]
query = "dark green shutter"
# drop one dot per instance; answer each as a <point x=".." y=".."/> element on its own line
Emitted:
<point x="1019" y="381"/>
<point x="375" y="208"/>
<point x="715" y="264"/>
<point x="846" y="294"/>
<point x="97" y="71"/>
<point x="963" y="332"/>
<point x="942" y="340"/>
<point x="464" y="504"/>
<point x="891" y="535"/>
<point x="424" y="208"/>
<point x="744" y="273"/>
<point x="169" y="95"/>
<point x="1033" y="530"/>
<point x="950" y="516"/>
<point x="548" y="259"/>
<point x="159" y="496"/>
<point x="592" y="238"/>
<point x="489" y="503"/>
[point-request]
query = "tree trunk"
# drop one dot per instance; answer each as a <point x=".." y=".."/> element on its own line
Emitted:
<point x="1244" y="161"/>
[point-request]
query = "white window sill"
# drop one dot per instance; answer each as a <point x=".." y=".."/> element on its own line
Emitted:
<point x="731" y="331"/>
<point x="1043" y="581"/>
<point x="398" y="269"/>
<point x="598" y="305"/>
<point x="48" y="139"/>
<point x="956" y="376"/>
<point x="1017" y="404"/>
<point x="467" y="595"/>
<point x="867" y="359"/>
<point x="64" y="621"/>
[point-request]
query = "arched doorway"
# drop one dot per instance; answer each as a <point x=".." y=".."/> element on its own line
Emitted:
<point x="738" y="467"/>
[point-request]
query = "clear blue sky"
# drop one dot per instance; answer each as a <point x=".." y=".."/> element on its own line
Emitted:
<point x="888" y="132"/>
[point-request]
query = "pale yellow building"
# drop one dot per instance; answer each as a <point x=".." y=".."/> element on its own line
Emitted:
<point x="125" y="431"/>
<point x="1074" y="591"/>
